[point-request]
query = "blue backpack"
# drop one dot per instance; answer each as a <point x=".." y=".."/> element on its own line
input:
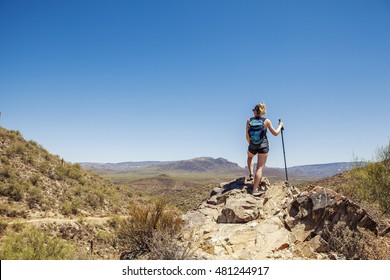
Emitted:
<point x="256" y="130"/>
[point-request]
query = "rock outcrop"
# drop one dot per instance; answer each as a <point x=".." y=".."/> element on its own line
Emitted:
<point x="281" y="223"/>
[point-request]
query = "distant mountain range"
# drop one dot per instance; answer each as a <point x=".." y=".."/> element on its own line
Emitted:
<point x="320" y="171"/>
<point x="220" y="165"/>
<point x="121" y="166"/>
<point x="195" y="165"/>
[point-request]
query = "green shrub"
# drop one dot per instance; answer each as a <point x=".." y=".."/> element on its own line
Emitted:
<point x="14" y="135"/>
<point x="34" y="197"/>
<point x="372" y="182"/>
<point x="33" y="144"/>
<point x="34" y="244"/>
<point x="13" y="190"/>
<point x="77" y="191"/>
<point x="44" y="167"/>
<point x="18" y="226"/>
<point x="3" y="227"/>
<point x="102" y="236"/>
<point x="3" y="209"/>
<point x="61" y="172"/>
<point x="71" y="207"/>
<point x="67" y="208"/>
<point x="28" y="159"/>
<point x="15" y="150"/>
<point x="4" y="159"/>
<point x="7" y="210"/>
<point x="7" y="172"/>
<point x="34" y="179"/>
<point x="93" y="200"/>
<point x="20" y="148"/>
<point x="69" y="171"/>
<point x="378" y="176"/>
<point x="114" y="222"/>
<point x="75" y="172"/>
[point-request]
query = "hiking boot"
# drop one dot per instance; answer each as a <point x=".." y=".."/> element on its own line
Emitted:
<point x="257" y="192"/>
<point x="250" y="178"/>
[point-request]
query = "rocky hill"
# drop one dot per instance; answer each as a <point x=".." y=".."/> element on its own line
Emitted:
<point x="283" y="223"/>
<point x="35" y="183"/>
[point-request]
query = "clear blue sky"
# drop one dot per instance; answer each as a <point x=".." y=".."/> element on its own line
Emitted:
<point x="114" y="81"/>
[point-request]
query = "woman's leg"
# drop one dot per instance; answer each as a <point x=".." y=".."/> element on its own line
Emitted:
<point x="250" y="163"/>
<point x="261" y="160"/>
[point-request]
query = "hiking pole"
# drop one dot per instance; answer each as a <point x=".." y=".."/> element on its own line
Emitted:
<point x="284" y="153"/>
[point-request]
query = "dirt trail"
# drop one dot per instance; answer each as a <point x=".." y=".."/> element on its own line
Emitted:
<point x="64" y="220"/>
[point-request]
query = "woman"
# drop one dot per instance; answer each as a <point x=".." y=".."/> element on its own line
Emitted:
<point x="256" y="135"/>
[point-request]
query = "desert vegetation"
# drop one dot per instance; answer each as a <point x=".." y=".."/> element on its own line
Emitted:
<point x="33" y="180"/>
<point x="31" y="243"/>
<point x="369" y="185"/>
<point x="372" y="183"/>
<point x="151" y="232"/>
<point x="358" y="244"/>
<point x="37" y="185"/>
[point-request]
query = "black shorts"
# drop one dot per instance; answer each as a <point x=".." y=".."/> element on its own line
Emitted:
<point x="262" y="148"/>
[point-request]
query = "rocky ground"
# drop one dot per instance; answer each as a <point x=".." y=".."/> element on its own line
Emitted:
<point x="281" y="223"/>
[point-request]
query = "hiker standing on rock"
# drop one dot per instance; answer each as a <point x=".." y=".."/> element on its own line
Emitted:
<point x="256" y="135"/>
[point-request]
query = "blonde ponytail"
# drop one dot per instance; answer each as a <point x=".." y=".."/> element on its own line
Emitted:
<point x="260" y="109"/>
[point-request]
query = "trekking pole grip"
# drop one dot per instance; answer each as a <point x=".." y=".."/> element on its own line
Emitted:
<point x="279" y="122"/>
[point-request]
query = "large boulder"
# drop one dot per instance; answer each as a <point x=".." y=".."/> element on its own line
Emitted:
<point x="319" y="209"/>
<point x="239" y="207"/>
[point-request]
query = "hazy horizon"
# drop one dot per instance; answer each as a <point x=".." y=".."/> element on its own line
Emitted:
<point x="282" y="167"/>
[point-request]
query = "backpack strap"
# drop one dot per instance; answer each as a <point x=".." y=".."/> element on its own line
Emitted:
<point x="264" y="134"/>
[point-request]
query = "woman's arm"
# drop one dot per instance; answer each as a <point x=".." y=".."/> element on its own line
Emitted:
<point x="275" y="132"/>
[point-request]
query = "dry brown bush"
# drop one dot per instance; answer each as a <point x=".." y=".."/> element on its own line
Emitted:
<point x="151" y="232"/>
<point x="359" y="244"/>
